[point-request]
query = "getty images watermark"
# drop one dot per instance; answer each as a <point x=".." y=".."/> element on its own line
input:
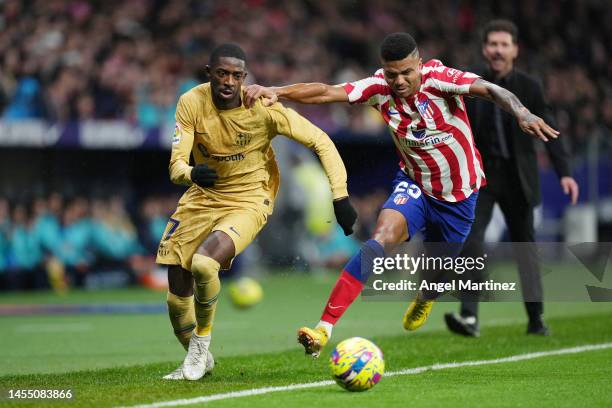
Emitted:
<point x="433" y="265"/>
<point x="500" y="272"/>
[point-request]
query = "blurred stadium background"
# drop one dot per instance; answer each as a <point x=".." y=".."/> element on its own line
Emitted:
<point x="88" y="92"/>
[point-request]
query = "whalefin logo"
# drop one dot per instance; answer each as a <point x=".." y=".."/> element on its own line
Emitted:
<point x="419" y="133"/>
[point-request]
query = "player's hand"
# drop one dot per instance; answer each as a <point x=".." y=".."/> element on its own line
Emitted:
<point x="345" y="215"/>
<point x="203" y="176"/>
<point x="535" y="126"/>
<point x="253" y="92"/>
<point x="569" y="186"/>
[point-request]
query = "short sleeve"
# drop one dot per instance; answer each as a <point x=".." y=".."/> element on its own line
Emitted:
<point x="448" y="80"/>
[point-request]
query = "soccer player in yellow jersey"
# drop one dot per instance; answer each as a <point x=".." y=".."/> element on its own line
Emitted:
<point x="231" y="193"/>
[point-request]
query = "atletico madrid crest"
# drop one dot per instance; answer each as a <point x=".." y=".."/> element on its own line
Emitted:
<point x="425" y="110"/>
<point x="400" y="199"/>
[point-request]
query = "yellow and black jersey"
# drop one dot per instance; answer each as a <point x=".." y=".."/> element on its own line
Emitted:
<point x="236" y="142"/>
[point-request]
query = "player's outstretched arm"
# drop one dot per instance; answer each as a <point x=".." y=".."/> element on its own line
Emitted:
<point x="313" y="93"/>
<point x="529" y="123"/>
<point x="288" y="122"/>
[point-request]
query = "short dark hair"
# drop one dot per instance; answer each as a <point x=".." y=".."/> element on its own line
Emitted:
<point x="397" y="46"/>
<point x="505" y="26"/>
<point x="227" y="50"/>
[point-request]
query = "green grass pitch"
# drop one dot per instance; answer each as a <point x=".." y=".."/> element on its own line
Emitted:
<point x="118" y="360"/>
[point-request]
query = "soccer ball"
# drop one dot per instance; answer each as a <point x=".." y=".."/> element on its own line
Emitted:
<point x="357" y="364"/>
<point x="245" y="292"/>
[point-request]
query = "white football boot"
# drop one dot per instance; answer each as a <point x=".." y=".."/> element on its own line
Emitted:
<point x="194" y="365"/>
<point x="178" y="373"/>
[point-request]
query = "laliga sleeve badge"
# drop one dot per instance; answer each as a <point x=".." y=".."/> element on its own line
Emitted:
<point x="176" y="138"/>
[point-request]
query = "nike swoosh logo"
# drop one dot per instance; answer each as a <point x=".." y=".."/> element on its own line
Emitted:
<point x="234" y="231"/>
<point x="334" y="307"/>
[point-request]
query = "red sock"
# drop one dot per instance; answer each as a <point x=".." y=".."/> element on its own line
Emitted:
<point x="345" y="291"/>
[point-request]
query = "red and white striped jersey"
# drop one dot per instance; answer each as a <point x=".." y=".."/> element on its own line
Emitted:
<point x="430" y="129"/>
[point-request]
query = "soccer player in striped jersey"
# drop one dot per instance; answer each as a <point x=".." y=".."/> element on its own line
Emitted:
<point x="440" y="172"/>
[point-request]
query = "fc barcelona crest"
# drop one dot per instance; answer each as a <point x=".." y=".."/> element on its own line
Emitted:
<point x="243" y="139"/>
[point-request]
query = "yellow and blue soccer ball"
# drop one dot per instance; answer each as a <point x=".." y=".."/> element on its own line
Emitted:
<point x="357" y="364"/>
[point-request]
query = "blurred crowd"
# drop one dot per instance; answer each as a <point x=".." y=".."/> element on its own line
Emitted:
<point x="63" y="241"/>
<point x="76" y="59"/>
<point x="57" y="240"/>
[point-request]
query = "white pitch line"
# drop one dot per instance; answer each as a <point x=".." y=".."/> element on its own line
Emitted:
<point x="509" y="359"/>
<point x="407" y="371"/>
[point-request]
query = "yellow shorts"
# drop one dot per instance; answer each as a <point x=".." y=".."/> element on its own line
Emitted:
<point x="200" y="212"/>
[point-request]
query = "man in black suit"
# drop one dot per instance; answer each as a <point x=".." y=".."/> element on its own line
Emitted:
<point x="511" y="168"/>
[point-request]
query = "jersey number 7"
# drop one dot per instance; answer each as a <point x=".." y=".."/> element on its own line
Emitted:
<point x="173" y="225"/>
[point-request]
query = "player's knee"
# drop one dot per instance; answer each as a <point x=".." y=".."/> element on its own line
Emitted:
<point x="218" y="246"/>
<point x="390" y="232"/>
<point x="204" y="268"/>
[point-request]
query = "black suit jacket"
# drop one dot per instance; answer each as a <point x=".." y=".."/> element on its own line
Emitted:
<point x="521" y="145"/>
